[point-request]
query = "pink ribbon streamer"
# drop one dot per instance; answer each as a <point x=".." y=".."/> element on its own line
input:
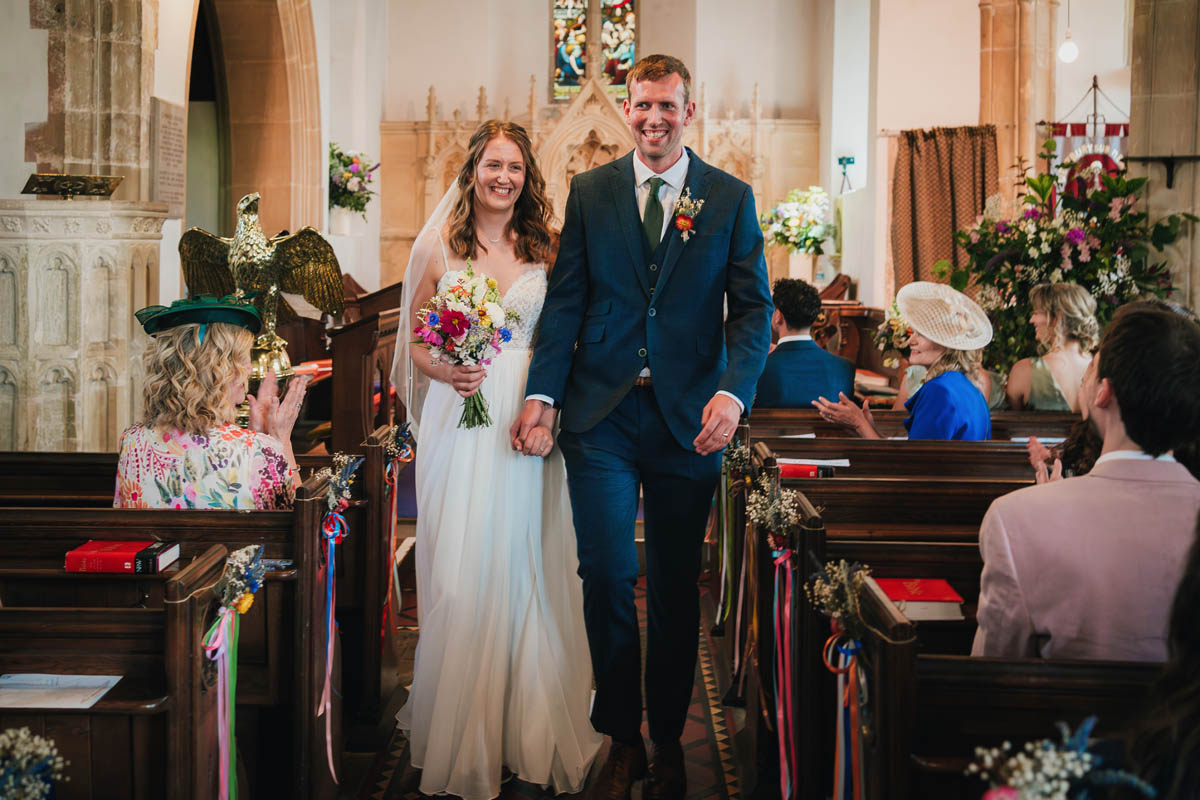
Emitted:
<point x="216" y="649"/>
<point x="783" y="674"/>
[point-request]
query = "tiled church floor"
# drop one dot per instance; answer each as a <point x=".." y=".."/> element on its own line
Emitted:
<point x="386" y="774"/>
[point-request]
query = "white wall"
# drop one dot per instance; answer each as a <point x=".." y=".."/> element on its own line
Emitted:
<point x="1098" y="28"/>
<point x="925" y="73"/>
<point x="23" y="52"/>
<point x="460" y="45"/>
<point x="352" y="54"/>
<point x="773" y="43"/>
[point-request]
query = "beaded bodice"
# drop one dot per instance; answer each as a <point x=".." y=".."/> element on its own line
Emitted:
<point x="525" y="297"/>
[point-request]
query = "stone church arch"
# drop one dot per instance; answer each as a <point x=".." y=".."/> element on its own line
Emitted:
<point x="268" y="59"/>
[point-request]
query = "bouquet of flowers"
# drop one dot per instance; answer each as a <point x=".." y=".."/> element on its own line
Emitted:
<point x="465" y="324"/>
<point x="799" y="222"/>
<point x="775" y="510"/>
<point x="1047" y="769"/>
<point x="893" y="335"/>
<point x="29" y="765"/>
<point x="349" y="180"/>
<point x="1100" y="240"/>
<point x="835" y="593"/>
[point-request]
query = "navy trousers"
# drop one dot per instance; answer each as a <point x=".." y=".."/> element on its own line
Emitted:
<point x="633" y="447"/>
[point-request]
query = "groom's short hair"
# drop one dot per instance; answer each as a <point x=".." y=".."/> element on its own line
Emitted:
<point x="657" y="67"/>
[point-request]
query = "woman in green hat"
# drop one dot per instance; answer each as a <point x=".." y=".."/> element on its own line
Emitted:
<point x="187" y="451"/>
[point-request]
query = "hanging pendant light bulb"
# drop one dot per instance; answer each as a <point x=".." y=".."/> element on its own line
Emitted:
<point x="1068" y="51"/>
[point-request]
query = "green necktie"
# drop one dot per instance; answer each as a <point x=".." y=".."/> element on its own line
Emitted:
<point x="652" y="218"/>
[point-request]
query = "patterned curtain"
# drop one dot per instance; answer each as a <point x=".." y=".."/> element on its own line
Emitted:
<point x="941" y="183"/>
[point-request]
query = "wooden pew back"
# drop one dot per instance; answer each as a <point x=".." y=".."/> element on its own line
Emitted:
<point x="1006" y="425"/>
<point x="872" y="458"/>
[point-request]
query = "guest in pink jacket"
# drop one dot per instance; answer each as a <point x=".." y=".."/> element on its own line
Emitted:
<point x="1086" y="567"/>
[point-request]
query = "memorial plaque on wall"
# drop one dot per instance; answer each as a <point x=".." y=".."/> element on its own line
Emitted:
<point x="168" y="152"/>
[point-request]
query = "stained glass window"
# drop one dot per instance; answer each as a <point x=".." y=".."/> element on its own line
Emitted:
<point x="618" y="36"/>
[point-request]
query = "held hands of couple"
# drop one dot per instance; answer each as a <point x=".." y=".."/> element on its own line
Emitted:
<point x="718" y="422"/>
<point x="275" y="417"/>
<point x="531" y="432"/>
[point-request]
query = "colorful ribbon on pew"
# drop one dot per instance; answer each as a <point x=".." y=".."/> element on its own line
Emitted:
<point x="220" y="646"/>
<point x="399" y="451"/>
<point x="333" y="529"/>
<point x="848" y="766"/>
<point x="784" y="679"/>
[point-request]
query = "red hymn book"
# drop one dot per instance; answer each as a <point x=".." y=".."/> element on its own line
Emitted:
<point x="139" y="557"/>
<point x="923" y="598"/>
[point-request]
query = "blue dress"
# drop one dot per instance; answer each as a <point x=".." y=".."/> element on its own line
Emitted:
<point x="948" y="407"/>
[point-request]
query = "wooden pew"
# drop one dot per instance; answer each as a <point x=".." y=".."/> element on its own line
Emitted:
<point x="1006" y="425"/>
<point x="929" y="712"/>
<point x="86" y="480"/>
<point x="870" y="458"/>
<point x="154" y="734"/>
<point x="281" y="654"/>
<point x="362" y="369"/>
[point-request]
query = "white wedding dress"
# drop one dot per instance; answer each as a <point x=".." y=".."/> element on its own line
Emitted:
<point x="503" y="676"/>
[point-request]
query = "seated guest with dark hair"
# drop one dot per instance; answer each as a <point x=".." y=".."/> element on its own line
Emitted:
<point x="798" y="371"/>
<point x="1085" y="567"/>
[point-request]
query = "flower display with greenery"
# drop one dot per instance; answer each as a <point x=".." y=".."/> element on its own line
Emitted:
<point x="1097" y="237"/>
<point x="349" y="180"/>
<point x="800" y="223"/>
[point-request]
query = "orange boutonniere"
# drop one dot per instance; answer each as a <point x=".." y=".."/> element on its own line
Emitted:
<point x="685" y="213"/>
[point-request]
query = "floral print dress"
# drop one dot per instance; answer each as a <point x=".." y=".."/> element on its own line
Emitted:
<point x="229" y="468"/>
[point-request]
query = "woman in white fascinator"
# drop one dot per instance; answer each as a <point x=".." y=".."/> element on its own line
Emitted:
<point x="950" y="331"/>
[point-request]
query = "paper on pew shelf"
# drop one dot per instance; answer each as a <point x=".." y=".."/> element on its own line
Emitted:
<point x="816" y="462"/>
<point x="43" y="690"/>
<point x="1042" y="439"/>
<point x="798" y="436"/>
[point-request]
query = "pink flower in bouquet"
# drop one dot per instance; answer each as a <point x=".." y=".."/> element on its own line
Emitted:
<point x="455" y="323"/>
<point x="1002" y="793"/>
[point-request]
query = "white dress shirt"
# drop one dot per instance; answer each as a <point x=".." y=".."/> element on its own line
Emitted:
<point x="668" y="193"/>
<point x="1132" y="455"/>
<point x="799" y="337"/>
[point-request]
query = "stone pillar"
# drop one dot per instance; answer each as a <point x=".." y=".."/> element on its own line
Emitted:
<point x="1165" y="120"/>
<point x="72" y="272"/>
<point x="101" y="70"/>
<point x="1016" y="77"/>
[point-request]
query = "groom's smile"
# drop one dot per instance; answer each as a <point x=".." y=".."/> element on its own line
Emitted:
<point x="657" y="111"/>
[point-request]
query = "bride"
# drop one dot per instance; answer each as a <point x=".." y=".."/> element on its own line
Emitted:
<point x="503" y="677"/>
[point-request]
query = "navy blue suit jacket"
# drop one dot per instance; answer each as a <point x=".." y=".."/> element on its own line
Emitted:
<point x="601" y="323"/>
<point x="799" y="372"/>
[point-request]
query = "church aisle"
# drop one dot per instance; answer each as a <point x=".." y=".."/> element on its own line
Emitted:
<point x="707" y="738"/>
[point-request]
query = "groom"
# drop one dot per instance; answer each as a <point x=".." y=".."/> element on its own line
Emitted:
<point x="651" y="376"/>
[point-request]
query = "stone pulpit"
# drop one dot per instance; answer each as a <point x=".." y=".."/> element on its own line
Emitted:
<point x="72" y="272"/>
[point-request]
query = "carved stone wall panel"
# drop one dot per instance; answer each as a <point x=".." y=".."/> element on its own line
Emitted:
<point x="8" y="408"/>
<point x="12" y="293"/>
<point x="100" y="408"/>
<point x="55" y="288"/>
<point x="53" y="407"/>
<point x="76" y="279"/>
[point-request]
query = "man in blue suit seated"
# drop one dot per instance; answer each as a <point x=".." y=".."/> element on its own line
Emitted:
<point x="798" y="371"/>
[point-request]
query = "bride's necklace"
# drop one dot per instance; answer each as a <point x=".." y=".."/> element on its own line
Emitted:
<point x="490" y="239"/>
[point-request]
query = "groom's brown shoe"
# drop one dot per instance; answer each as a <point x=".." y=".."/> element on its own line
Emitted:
<point x="625" y="766"/>
<point x="668" y="779"/>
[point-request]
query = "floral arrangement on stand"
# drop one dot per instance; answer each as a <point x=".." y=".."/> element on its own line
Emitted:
<point x="349" y="180"/>
<point x="800" y="223"/>
<point x="465" y="324"/>
<point x="1049" y="770"/>
<point x="242" y="577"/>
<point x="892" y="336"/>
<point x="29" y="765"/>
<point x="1101" y="240"/>
<point x="334" y="529"/>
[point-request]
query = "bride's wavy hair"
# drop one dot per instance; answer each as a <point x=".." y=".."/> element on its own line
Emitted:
<point x="530" y="222"/>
